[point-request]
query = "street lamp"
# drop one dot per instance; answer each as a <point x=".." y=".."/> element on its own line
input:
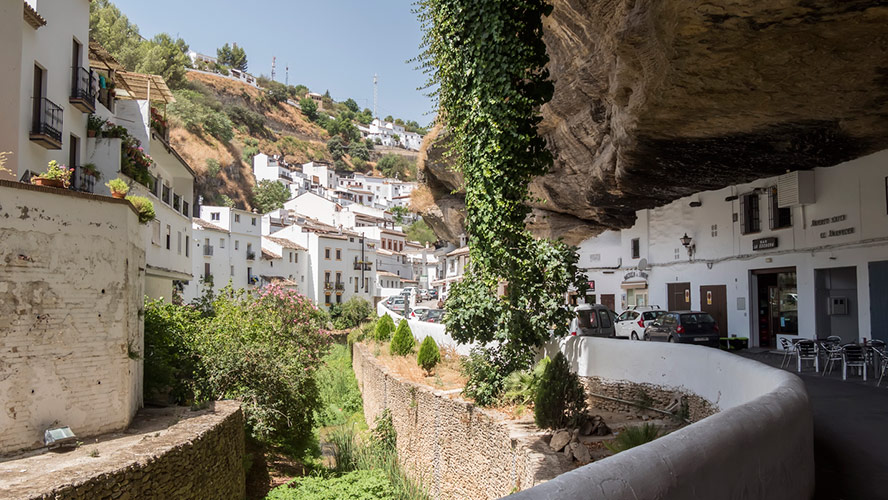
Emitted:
<point x="686" y="242"/>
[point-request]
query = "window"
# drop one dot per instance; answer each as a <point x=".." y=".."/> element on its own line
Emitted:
<point x="338" y="254"/>
<point x="236" y="217"/>
<point x="166" y="194"/>
<point x="338" y="277"/>
<point x="253" y="221"/>
<point x="778" y="218"/>
<point x="338" y="298"/>
<point x="155" y="232"/>
<point x="221" y="242"/>
<point x="179" y="242"/>
<point x="367" y="285"/>
<point x="636" y="248"/>
<point x="206" y="270"/>
<point x="327" y="253"/>
<point x="185" y="209"/>
<point x="236" y="244"/>
<point x="169" y="233"/>
<point x="749" y="214"/>
<point x="296" y="258"/>
<point x="326" y="276"/>
<point x="291" y="256"/>
<point x="187" y="244"/>
<point x="214" y="216"/>
<point x="327" y="299"/>
<point x="232" y="270"/>
<point x="176" y="202"/>
<point x="356" y="285"/>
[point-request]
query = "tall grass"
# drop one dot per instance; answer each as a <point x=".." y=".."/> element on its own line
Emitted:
<point x="633" y="436"/>
<point x="341" y="401"/>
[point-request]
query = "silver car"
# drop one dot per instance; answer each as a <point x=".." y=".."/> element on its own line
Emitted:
<point x="593" y="320"/>
<point x="397" y="304"/>
<point x="631" y="324"/>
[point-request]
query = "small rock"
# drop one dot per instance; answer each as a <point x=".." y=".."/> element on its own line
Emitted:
<point x="645" y="418"/>
<point x="587" y="428"/>
<point x="559" y="440"/>
<point x="573" y="447"/>
<point x="568" y="453"/>
<point x="581" y="454"/>
<point x="602" y="430"/>
<point x="575" y="436"/>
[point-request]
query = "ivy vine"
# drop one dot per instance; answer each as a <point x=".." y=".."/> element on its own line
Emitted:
<point x="487" y="60"/>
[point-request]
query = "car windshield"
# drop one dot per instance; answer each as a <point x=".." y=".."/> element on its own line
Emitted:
<point x="651" y="315"/>
<point x="434" y="314"/>
<point x="696" y="319"/>
<point x="587" y="318"/>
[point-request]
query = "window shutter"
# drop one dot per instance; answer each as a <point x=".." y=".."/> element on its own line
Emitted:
<point x="772" y="207"/>
<point x="743" y="215"/>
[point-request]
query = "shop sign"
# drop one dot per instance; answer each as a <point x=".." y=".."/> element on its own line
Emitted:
<point x="708" y="298"/>
<point x="635" y="274"/>
<point x="837" y="232"/>
<point x="591" y="287"/>
<point x="764" y="243"/>
<point x="828" y="220"/>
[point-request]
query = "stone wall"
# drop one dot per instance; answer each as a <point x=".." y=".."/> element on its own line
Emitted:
<point x="454" y="448"/>
<point x="649" y="395"/>
<point x="71" y="273"/>
<point x="199" y="458"/>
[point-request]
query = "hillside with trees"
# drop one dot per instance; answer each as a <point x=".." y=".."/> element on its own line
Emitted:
<point x="217" y="123"/>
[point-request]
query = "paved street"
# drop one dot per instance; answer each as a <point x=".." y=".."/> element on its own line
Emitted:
<point x="850" y="432"/>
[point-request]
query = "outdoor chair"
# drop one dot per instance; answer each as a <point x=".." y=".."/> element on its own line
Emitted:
<point x="806" y="350"/>
<point x="833" y="355"/>
<point x="789" y="350"/>
<point x="854" y="357"/>
<point x="883" y="367"/>
<point x="835" y="339"/>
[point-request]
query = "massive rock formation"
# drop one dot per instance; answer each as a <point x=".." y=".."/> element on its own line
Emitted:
<point x="657" y="99"/>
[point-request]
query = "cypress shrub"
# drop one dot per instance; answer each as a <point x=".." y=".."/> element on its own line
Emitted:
<point x="384" y="328"/>
<point x="560" y="400"/>
<point x="403" y="341"/>
<point x="429" y="356"/>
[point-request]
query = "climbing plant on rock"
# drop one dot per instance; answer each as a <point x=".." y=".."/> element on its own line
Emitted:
<point x="487" y="59"/>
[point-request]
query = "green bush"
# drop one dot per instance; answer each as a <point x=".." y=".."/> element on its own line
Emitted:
<point x="429" y="355"/>
<point x="254" y="122"/>
<point x="520" y="386"/>
<point x="560" y="400"/>
<point x="633" y="436"/>
<point x="340" y="398"/>
<point x="403" y="341"/>
<point x="219" y="126"/>
<point x="360" y="484"/>
<point x="169" y="361"/>
<point x="485" y="378"/>
<point x="384" y="328"/>
<point x="352" y="313"/>
<point x="144" y="206"/>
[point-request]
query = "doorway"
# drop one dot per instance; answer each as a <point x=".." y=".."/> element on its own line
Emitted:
<point x="835" y="307"/>
<point x="777" y="307"/>
<point x="678" y="296"/>
<point x="608" y="300"/>
<point x="878" y="283"/>
<point x="714" y="300"/>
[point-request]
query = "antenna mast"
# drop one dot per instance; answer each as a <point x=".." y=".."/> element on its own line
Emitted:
<point x="272" y="67"/>
<point x="375" y="95"/>
<point x="287" y="75"/>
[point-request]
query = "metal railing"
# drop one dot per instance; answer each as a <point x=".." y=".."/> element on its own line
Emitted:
<point x="340" y="286"/>
<point x="81" y="181"/>
<point x="251" y="255"/>
<point x="47" y="119"/>
<point x="83" y="85"/>
<point x="208" y="250"/>
<point x="328" y="285"/>
<point x="366" y="266"/>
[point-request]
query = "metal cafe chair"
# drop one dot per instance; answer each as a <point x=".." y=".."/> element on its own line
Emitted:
<point x="806" y="350"/>
<point x="789" y="350"/>
<point x="854" y="357"/>
<point x="883" y="367"/>
<point x="833" y="355"/>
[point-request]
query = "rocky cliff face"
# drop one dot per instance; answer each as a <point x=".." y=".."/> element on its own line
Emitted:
<point x="657" y="99"/>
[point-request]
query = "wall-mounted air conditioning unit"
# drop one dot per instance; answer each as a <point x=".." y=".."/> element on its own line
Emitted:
<point x="795" y="188"/>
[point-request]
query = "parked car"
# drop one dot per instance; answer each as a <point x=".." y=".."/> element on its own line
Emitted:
<point x="686" y="327"/>
<point x="433" y="293"/>
<point x="409" y="290"/>
<point x="433" y="316"/>
<point x="418" y="312"/>
<point x="396" y="304"/>
<point x="423" y="294"/>
<point x="593" y="320"/>
<point x="631" y="323"/>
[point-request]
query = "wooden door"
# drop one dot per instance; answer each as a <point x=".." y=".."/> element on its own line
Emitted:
<point x="608" y="300"/>
<point x="714" y="300"/>
<point x="679" y="296"/>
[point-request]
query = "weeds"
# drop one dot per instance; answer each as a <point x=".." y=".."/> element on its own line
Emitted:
<point x="632" y="437"/>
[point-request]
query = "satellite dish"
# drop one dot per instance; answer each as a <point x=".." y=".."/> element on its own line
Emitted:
<point x="642" y="264"/>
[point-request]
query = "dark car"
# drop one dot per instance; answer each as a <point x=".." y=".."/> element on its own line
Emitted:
<point x="433" y="316"/>
<point x="433" y="293"/>
<point x="593" y="320"/>
<point x="685" y="327"/>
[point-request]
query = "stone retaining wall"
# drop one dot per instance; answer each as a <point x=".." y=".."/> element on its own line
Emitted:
<point x="456" y="449"/>
<point x="650" y="395"/>
<point x="200" y="458"/>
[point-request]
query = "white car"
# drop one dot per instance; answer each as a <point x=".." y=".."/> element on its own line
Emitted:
<point x="419" y="312"/>
<point x="396" y="304"/>
<point x="631" y="324"/>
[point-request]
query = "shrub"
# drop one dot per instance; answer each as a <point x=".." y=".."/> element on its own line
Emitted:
<point x="144" y="206"/>
<point x="213" y="168"/>
<point x="520" y="386"/>
<point x="560" y="400"/>
<point x="633" y="436"/>
<point x="403" y="341"/>
<point x="429" y="356"/>
<point x="364" y="484"/>
<point x="338" y="389"/>
<point x="353" y="312"/>
<point x="384" y="328"/>
<point x="219" y="126"/>
<point x="118" y="185"/>
<point x="485" y="378"/>
<point x="169" y="361"/>
<point x="254" y="122"/>
<point x="309" y="108"/>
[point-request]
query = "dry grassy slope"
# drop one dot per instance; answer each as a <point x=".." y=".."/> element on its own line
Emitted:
<point x="290" y="134"/>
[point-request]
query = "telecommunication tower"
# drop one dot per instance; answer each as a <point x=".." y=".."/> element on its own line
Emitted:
<point x="272" y="67"/>
<point x="375" y="94"/>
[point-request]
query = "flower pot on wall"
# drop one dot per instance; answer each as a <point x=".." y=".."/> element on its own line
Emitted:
<point x="90" y="133"/>
<point x="119" y="196"/>
<point x="55" y="183"/>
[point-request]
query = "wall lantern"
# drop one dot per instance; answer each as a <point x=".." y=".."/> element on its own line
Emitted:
<point x="686" y="242"/>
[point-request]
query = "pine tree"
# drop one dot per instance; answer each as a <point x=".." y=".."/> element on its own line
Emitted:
<point x="429" y="355"/>
<point x="403" y="341"/>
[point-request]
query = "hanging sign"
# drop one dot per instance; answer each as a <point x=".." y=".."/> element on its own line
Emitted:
<point x="764" y="243"/>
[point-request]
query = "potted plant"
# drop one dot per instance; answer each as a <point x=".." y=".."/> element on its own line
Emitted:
<point x="118" y="188"/>
<point x="144" y="206"/>
<point x="91" y="170"/>
<point x="94" y="126"/>
<point x="57" y="176"/>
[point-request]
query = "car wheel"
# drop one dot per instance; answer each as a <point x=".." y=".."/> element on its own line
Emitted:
<point x="634" y="336"/>
<point x="671" y="339"/>
<point x="647" y="337"/>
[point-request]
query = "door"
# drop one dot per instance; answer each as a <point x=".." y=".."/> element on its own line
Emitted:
<point x="878" y="284"/>
<point x="679" y="296"/>
<point x="714" y="300"/>
<point x="38" y="97"/>
<point x="608" y="300"/>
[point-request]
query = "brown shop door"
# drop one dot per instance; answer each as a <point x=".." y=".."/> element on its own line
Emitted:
<point x="608" y="300"/>
<point x="679" y="296"/>
<point x="714" y="300"/>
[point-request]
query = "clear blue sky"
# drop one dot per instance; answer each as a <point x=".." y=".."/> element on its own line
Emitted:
<point x="328" y="44"/>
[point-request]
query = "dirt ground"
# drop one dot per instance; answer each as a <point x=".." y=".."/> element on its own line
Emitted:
<point x="446" y="376"/>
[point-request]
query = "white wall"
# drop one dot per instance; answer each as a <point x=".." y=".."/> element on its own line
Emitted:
<point x="11" y="98"/>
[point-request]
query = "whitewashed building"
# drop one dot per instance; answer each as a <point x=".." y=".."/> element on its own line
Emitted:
<point x="321" y="174"/>
<point x="803" y="255"/>
<point x="283" y="262"/>
<point x="390" y="134"/>
<point x="274" y="168"/>
<point x="315" y="206"/>
<point x="451" y="268"/>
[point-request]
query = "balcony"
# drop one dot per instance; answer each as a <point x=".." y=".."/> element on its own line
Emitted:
<point x="208" y="279"/>
<point x="366" y="266"/>
<point x="208" y="250"/>
<point x="282" y="175"/>
<point x="82" y="181"/>
<point x="46" y="128"/>
<point x="251" y="255"/>
<point x="160" y="125"/>
<point x="339" y="286"/>
<point x="82" y="94"/>
<point x="328" y="285"/>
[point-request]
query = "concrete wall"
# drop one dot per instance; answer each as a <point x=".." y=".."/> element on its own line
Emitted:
<point x="71" y="274"/>
<point x="454" y="448"/>
<point x="11" y="26"/>
<point x="760" y="445"/>
<point x="199" y="458"/>
<point x="421" y="330"/>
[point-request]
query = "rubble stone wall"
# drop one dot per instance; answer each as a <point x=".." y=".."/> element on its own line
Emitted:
<point x="649" y="395"/>
<point x="199" y="458"/>
<point x="456" y="449"/>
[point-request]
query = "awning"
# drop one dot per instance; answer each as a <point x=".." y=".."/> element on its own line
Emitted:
<point x="629" y="285"/>
<point x="144" y="87"/>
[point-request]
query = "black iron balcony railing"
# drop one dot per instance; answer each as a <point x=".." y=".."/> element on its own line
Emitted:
<point x="251" y="255"/>
<point x="366" y="266"/>
<point x="285" y="176"/>
<point x="83" y="90"/>
<point x="46" y="127"/>
<point x="82" y="181"/>
<point x="340" y="286"/>
<point x="208" y="250"/>
<point x="328" y="285"/>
